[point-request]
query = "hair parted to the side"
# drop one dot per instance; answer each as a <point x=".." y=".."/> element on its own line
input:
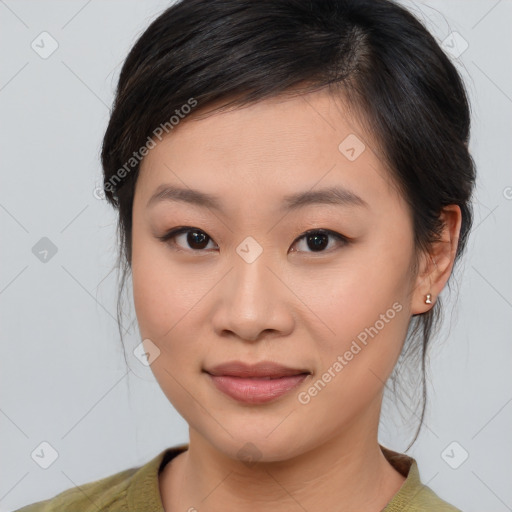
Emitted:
<point x="373" y="53"/>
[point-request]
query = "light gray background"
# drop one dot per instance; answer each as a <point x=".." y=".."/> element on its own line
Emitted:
<point x="63" y="376"/>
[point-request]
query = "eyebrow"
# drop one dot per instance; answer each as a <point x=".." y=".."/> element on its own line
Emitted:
<point x="338" y="196"/>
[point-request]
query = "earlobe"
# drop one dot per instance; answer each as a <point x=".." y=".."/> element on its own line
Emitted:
<point x="437" y="265"/>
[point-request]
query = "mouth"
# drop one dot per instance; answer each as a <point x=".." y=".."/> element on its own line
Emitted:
<point x="255" y="384"/>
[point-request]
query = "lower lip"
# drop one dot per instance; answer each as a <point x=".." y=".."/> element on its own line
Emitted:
<point x="256" y="391"/>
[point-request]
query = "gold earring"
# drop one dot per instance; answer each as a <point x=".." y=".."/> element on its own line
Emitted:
<point x="428" y="300"/>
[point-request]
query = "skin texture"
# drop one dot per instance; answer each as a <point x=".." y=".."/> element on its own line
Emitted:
<point x="292" y="305"/>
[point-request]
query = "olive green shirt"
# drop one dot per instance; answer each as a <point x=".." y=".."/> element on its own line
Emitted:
<point x="137" y="490"/>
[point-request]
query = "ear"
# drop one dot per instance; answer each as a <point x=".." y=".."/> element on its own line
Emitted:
<point x="436" y="265"/>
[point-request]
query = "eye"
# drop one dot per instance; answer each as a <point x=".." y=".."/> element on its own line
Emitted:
<point x="318" y="239"/>
<point x="197" y="240"/>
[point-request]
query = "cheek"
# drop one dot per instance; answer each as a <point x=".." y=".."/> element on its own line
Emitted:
<point x="168" y="300"/>
<point x="164" y="316"/>
<point x="363" y="305"/>
<point x="160" y="292"/>
<point x="164" y="299"/>
<point x="368" y="320"/>
<point x="163" y="304"/>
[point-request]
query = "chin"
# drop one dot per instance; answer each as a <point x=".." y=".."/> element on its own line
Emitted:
<point x="257" y="445"/>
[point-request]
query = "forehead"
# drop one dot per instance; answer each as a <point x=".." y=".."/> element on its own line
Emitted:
<point x="273" y="147"/>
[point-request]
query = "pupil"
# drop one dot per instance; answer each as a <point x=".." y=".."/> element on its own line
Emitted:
<point x="192" y="239"/>
<point x="317" y="243"/>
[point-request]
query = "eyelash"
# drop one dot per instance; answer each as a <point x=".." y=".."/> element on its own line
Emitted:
<point x="169" y="238"/>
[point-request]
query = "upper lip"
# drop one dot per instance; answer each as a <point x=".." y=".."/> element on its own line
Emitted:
<point x="260" y="369"/>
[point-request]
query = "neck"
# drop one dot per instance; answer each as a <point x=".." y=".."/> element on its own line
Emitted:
<point x="347" y="472"/>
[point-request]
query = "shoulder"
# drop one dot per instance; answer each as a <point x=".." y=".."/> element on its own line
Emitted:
<point x="106" y="494"/>
<point x="134" y="489"/>
<point x="413" y="496"/>
<point x="428" y="500"/>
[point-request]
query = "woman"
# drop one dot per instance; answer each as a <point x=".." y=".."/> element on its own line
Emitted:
<point x="293" y="184"/>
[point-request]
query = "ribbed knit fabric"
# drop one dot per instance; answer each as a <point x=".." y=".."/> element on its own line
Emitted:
<point x="137" y="490"/>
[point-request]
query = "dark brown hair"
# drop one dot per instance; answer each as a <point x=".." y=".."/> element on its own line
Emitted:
<point x="374" y="52"/>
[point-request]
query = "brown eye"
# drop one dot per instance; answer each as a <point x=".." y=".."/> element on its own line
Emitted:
<point x="191" y="239"/>
<point x="317" y="240"/>
<point x="196" y="239"/>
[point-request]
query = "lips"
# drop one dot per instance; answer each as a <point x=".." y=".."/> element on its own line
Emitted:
<point x="255" y="384"/>
<point x="263" y="369"/>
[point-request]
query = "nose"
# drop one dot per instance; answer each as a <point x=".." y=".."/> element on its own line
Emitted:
<point x="253" y="303"/>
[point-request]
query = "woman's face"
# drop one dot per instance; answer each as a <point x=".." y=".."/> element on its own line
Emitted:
<point x="244" y="284"/>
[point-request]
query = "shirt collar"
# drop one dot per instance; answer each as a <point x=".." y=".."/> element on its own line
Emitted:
<point x="144" y="491"/>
